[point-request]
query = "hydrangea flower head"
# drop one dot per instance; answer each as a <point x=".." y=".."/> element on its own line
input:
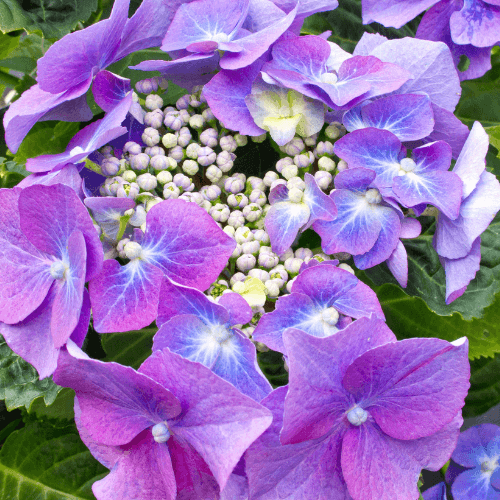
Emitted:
<point x="323" y="300"/>
<point x="171" y="428"/>
<point x="363" y="415"/>
<point x="201" y="330"/>
<point x="49" y="250"/>
<point x="478" y="458"/>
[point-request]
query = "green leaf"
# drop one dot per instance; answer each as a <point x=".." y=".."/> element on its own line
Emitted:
<point x="54" y="18"/>
<point x="19" y="382"/>
<point x="46" y="138"/>
<point x="62" y="409"/>
<point x="410" y="317"/>
<point x="484" y="391"/>
<point x="7" y="44"/>
<point x="272" y="365"/>
<point x="426" y="278"/>
<point x="43" y="462"/>
<point x="347" y="27"/>
<point x="25" y="55"/>
<point x="129" y="348"/>
<point x="494" y="135"/>
<point x="11" y="173"/>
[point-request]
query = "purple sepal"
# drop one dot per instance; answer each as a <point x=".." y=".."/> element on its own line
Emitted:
<point x="240" y="313"/>
<point x="80" y="332"/>
<point x="394" y="13"/>
<point x="431" y="65"/>
<point x="460" y="272"/>
<point x="225" y="95"/>
<point x="176" y="299"/>
<point x="321" y="206"/>
<point x="435" y="25"/>
<point x="478" y="24"/>
<point x="126" y="297"/>
<point x="225" y="351"/>
<point x="437" y="492"/>
<point x="355" y="179"/>
<point x="315" y="290"/>
<point x="48" y="216"/>
<point x="36" y="105"/>
<point x="256" y="45"/>
<point x="219" y="422"/>
<point x="409" y="116"/>
<point x="87" y="140"/>
<point x="186" y="243"/>
<point x="109" y="89"/>
<point x="68" y="175"/>
<point x="298" y="471"/>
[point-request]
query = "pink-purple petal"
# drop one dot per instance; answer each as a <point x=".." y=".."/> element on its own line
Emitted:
<point x="394" y="13"/>
<point x="109" y="89"/>
<point x="239" y="311"/>
<point x="220" y="423"/>
<point x="126" y="297"/>
<point x="398" y="264"/>
<point x="80" y="332"/>
<point x="117" y="403"/>
<point x="186" y="243"/>
<point x="412" y="388"/>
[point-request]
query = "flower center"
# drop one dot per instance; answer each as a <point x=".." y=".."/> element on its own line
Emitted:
<point x="330" y="78"/>
<point x="330" y="316"/>
<point x="220" y="333"/>
<point x="406" y="166"/>
<point x="58" y="270"/>
<point x="373" y="196"/>
<point x="220" y="37"/>
<point x="76" y="151"/>
<point x="161" y="433"/>
<point x="489" y="466"/>
<point x="132" y="250"/>
<point x="357" y="416"/>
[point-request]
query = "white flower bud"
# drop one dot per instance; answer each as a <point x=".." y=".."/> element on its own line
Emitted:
<point x="290" y="171"/>
<point x="110" y="166"/>
<point x="272" y="288"/>
<point x="171" y="191"/>
<point x="190" y="167"/>
<point x="209" y="137"/>
<point x="139" y="162"/>
<point x="279" y="273"/>
<point x="197" y="122"/>
<point x="146" y="86"/>
<point x="296" y="182"/>
<point x="139" y="216"/>
<point x="342" y="165"/>
<point x="237" y="251"/>
<point x="268" y="260"/>
<point x="259" y="138"/>
<point x="323" y="179"/>
<point x="234" y="185"/>
<point x="132" y="148"/>
<point x="326" y="164"/>
<point x="301" y="161"/>
<point x="229" y="230"/>
<point x="160" y="433"/>
<point x="346" y="267"/>
<point x="292" y="265"/>
<point x="237" y="200"/>
<point x="225" y="160"/>
<point x="252" y="212"/>
<point x="208" y="115"/>
<point x="154" y="151"/>
<point x="212" y="192"/>
<point x="181" y="181"/>
<point x="237" y="278"/>
<point x="236" y="219"/>
<point x="295" y="195"/>
<point x="311" y="140"/>
<point x="243" y="234"/>
<point x="184" y="137"/>
<point x="169" y="141"/>
<point x="151" y="203"/>
<point x="284" y="162"/>
<point x="220" y="212"/>
<point x="330" y="316"/>
<point x="270" y="177"/>
<point x="258" y="196"/>
<point x="153" y="101"/>
<point x="213" y="174"/>
<point x="324" y="148"/>
<point x="164" y="177"/>
<point x="290" y="284"/>
<point x="147" y="182"/>
<point x="259" y="274"/>
<point x="256" y="183"/>
<point x="129" y="175"/>
<point x="246" y="262"/>
<point x="294" y="147"/>
<point x="261" y="236"/>
<point x="150" y="136"/>
<point x="132" y="250"/>
<point x="333" y="131"/>
<point x="227" y="143"/>
<point x="154" y="119"/>
<point x="241" y="140"/>
<point x="251" y="247"/>
<point x="206" y="156"/>
<point x="303" y="253"/>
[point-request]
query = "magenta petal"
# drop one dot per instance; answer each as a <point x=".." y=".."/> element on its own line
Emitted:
<point x="256" y="44"/>
<point x="75" y="58"/>
<point x="117" y="403"/>
<point x="69" y="292"/>
<point x="460" y="272"/>
<point x="393" y="13"/>
<point x="143" y="472"/>
<point x="477" y="24"/>
<point x="240" y="313"/>
<point x="360" y="301"/>
<point x="80" y="332"/>
<point x="36" y="105"/>
<point x="186" y="243"/>
<point x="49" y="214"/>
<point x="218" y="421"/>
<point x="398" y="264"/>
<point x="410" y="228"/>
<point x="472" y="160"/>
<point x="299" y="471"/>
<point x="126" y="297"/>
<point x="31" y="338"/>
<point x="316" y="397"/>
<point x="109" y="89"/>
<point x="225" y="94"/>
<point x="25" y="278"/>
<point x="411" y="388"/>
